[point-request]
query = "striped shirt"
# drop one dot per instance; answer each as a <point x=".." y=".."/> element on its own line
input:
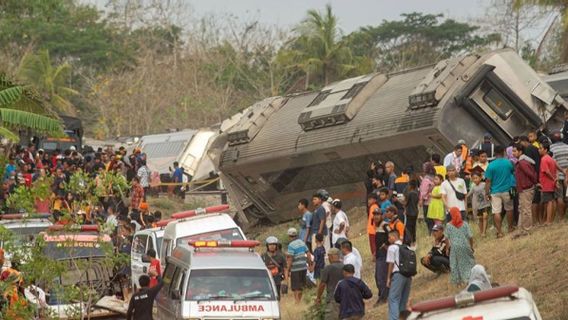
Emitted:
<point x="560" y="155"/>
<point x="297" y="249"/>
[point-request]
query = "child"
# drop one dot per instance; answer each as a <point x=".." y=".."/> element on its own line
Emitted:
<point x="479" y="202"/>
<point x="384" y="201"/>
<point x="411" y="208"/>
<point x="319" y="256"/>
<point x="436" y="207"/>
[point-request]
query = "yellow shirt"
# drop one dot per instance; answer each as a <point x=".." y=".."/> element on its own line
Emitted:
<point x="441" y="170"/>
<point x="536" y="144"/>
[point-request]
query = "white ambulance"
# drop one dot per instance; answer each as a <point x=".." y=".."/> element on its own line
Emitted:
<point x="200" y="224"/>
<point x="217" y="280"/>
<point x="500" y="303"/>
<point x="143" y="241"/>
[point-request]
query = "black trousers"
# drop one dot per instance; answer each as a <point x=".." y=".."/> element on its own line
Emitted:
<point x="437" y="264"/>
<point x="411" y="227"/>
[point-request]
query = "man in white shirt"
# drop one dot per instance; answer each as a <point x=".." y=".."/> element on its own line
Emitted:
<point x="450" y="189"/>
<point x="398" y="284"/>
<point x="340" y="222"/>
<point x="351" y="256"/>
<point x="326" y="204"/>
<point x="454" y="158"/>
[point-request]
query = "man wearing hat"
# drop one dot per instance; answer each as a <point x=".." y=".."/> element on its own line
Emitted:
<point x="438" y="259"/>
<point x="296" y="260"/>
<point x="330" y="276"/>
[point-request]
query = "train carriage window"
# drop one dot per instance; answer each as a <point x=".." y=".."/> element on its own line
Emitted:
<point x="498" y="103"/>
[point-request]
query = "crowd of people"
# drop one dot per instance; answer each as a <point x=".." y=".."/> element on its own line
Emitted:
<point x="522" y="185"/>
<point x="120" y="180"/>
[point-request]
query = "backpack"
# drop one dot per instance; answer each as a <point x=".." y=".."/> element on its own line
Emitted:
<point x="407" y="261"/>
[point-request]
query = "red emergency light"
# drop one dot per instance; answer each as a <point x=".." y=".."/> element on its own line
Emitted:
<point x="22" y="216"/>
<point x="192" y="213"/>
<point x="75" y="227"/>
<point x="465" y="299"/>
<point x="224" y="243"/>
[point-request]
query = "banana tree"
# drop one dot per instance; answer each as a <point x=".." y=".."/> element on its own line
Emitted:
<point x="22" y="108"/>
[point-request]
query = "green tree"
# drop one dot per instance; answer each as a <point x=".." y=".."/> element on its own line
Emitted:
<point x="67" y="28"/>
<point x="21" y="107"/>
<point x="51" y="81"/>
<point x="416" y="40"/>
<point x="318" y="50"/>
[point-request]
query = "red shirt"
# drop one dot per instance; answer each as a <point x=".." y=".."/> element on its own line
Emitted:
<point x="547" y="164"/>
<point x="155" y="264"/>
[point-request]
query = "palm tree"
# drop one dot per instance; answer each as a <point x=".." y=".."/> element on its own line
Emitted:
<point x="50" y="81"/>
<point x="319" y="47"/>
<point x="21" y="107"/>
<point x="562" y="7"/>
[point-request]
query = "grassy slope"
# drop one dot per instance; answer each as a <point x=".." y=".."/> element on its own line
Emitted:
<point x="537" y="262"/>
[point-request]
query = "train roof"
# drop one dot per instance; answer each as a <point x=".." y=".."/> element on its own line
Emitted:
<point x="165" y="148"/>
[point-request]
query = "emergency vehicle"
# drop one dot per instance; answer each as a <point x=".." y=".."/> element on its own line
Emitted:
<point x="501" y="303"/>
<point x="143" y="241"/>
<point x="83" y="250"/>
<point x="147" y="239"/>
<point x="207" y="223"/>
<point x="23" y="229"/>
<point x="217" y="280"/>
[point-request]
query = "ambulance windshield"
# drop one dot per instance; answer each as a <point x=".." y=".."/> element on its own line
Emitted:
<point x="229" y="284"/>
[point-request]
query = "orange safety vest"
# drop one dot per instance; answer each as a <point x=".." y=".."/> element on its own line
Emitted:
<point x="370" y="219"/>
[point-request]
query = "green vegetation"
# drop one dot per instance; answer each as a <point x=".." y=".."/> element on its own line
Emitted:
<point x="138" y="67"/>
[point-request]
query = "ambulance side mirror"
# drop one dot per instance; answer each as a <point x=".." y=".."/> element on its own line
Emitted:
<point x="175" y="294"/>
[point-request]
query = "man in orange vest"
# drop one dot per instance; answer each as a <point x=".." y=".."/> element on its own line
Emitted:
<point x="371" y="230"/>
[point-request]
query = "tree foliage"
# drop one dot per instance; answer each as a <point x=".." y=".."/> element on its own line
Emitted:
<point x="418" y="39"/>
<point x="51" y="81"/>
<point x="144" y="66"/>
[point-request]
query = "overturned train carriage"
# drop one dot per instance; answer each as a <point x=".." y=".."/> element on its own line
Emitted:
<point x="285" y="148"/>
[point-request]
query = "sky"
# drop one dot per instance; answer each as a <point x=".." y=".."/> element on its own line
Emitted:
<point x="352" y="13"/>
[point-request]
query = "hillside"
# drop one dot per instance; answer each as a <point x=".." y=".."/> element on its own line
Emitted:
<point x="536" y="262"/>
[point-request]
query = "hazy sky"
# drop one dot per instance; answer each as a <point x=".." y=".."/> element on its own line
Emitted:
<point x="352" y="13"/>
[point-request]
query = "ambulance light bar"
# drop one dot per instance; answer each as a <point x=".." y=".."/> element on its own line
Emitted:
<point x="464" y="299"/>
<point x="198" y="211"/>
<point x="192" y="213"/>
<point x="21" y="216"/>
<point x="224" y="243"/>
<point x="75" y="227"/>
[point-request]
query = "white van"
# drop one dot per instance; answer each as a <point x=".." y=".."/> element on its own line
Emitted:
<point x="500" y="303"/>
<point x="143" y="241"/>
<point x="210" y="226"/>
<point x="221" y="282"/>
<point x="23" y="230"/>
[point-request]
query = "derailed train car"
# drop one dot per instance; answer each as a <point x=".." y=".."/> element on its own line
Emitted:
<point x="285" y="148"/>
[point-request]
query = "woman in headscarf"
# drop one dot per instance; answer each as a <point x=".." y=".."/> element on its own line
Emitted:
<point x="478" y="280"/>
<point x="461" y="243"/>
<point x="425" y="189"/>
